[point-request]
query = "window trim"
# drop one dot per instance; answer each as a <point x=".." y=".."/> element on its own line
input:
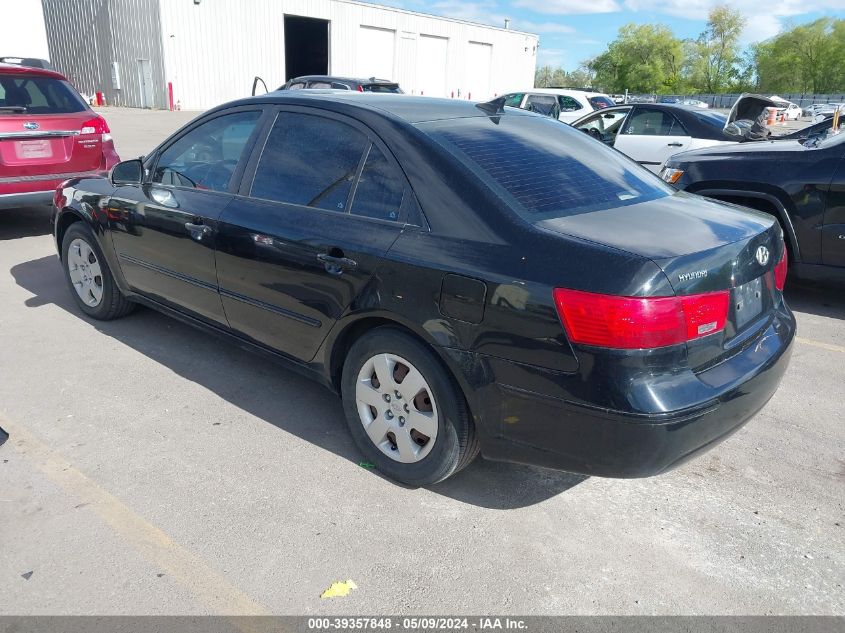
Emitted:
<point x="410" y="214"/>
<point x="151" y="164"/>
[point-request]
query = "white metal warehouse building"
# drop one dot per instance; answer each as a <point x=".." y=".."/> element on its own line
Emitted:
<point x="208" y="51"/>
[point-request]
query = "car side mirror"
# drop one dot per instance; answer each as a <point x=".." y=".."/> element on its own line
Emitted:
<point x="129" y="172"/>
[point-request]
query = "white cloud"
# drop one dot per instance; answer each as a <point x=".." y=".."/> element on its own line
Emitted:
<point x="568" y="7"/>
<point x="550" y="57"/>
<point x="542" y="27"/>
<point x="484" y="12"/>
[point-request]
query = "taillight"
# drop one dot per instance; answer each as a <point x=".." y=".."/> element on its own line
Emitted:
<point x="780" y="271"/>
<point x="97" y="125"/>
<point x="639" y="322"/>
<point x="360" y="88"/>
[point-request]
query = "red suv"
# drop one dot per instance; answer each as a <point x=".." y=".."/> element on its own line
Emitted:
<point x="47" y="135"/>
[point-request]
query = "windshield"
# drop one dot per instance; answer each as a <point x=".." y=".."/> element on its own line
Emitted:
<point x="601" y="102"/>
<point x="29" y="94"/>
<point x="545" y="169"/>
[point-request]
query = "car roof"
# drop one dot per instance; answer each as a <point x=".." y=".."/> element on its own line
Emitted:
<point x="413" y="109"/>
<point x="371" y="80"/>
<point x="14" y="69"/>
<point x="565" y="91"/>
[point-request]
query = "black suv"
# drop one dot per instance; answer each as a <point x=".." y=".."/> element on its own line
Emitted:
<point x="342" y="83"/>
<point x="799" y="181"/>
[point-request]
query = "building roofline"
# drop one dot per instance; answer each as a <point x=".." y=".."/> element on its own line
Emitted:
<point x="438" y="17"/>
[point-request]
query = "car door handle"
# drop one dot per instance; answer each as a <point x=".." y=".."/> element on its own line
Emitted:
<point x="336" y="265"/>
<point x="198" y="231"/>
<point x="674" y="144"/>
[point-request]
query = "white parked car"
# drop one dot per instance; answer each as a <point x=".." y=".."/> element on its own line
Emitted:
<point x="565" y="104"/>
<point x="652" y="132"/>
<point x="695" y="103"/>
<point x="791" y="110"/>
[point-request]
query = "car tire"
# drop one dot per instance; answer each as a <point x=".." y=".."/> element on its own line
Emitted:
<point x="89" y="278"/>
<point x="418" y="386"/>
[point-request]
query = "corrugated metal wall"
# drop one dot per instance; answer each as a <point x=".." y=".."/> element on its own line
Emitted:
<point x="213" y="49"/>
<point x="86" y="36"/>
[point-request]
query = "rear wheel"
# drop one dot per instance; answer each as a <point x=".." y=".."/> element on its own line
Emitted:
<point x="404" y="410"/>
<point x="89" y="276"/>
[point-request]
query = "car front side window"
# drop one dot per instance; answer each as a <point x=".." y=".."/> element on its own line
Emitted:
<point x="206" y="157"/>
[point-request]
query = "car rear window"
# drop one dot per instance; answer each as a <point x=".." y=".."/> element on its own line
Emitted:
<point x="392" y="88"/>
<point x="713" y="119"/>
<point x="543" y="168"/>
<point x="601" y="102"/>
<point x="31" y="94"/>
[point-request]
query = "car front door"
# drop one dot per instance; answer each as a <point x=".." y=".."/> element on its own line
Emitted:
<point x="164" y="230"/>
<point x="650" y="136"/>
<point x="604" y="125"/>
<point x="833" y="231"/>
<point x="308" y="230"/>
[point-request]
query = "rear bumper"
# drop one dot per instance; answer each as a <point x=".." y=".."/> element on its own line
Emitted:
<point x="521" y="425"/>
<point x="27" y="199"/>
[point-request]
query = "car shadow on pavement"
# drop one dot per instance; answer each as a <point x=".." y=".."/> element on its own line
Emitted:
<point x="278" y="395"/>
<point x="28" y="222"/>
<point x="821" y="300"/>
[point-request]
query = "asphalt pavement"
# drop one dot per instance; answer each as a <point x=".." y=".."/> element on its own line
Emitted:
<point x="152" y="469"/>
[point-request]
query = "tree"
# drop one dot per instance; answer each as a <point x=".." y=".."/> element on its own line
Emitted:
<point x="642" y="58"/>
<point x="546" y="76"/>
<point x="715" y="56"/>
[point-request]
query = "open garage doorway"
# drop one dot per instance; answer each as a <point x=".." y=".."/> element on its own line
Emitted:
<point x="306" y="46"/>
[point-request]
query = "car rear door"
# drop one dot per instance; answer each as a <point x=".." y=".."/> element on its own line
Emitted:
<point x="307" y="231"/>
<point x="650" y="136"/>
<point x="164" y="230"/>
<point x="46" y="130"/>
<point x="833" y="231"/>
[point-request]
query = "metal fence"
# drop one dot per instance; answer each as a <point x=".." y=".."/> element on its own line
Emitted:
<point x="727" y="100"/>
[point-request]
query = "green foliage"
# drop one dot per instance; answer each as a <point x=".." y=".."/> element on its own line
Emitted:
<point x="643" y="58"/>
<point x="715" y="55"/>
<point x="806" y="58"/>
<point x="546" y="76"/>
<point x="648" y="58"/>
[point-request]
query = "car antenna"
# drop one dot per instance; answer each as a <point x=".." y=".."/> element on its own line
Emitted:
<point x="493" y="107"/>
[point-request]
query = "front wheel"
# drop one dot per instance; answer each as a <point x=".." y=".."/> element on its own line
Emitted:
<point x="404" y="410"/>
<point x="87" y="273"/>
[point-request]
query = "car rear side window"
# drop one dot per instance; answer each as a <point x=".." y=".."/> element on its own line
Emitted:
<point x="28" y="94"/>
<point x="309" y="160"/>
<point x="653" y="123"/>
<point x="380" y="189"/>
<point x="568" y="104"/>
<point x="206" y="157"/>
<point x="545" y="169"/>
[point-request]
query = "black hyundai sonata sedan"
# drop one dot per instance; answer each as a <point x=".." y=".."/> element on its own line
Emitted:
<point x="467" y="277"/>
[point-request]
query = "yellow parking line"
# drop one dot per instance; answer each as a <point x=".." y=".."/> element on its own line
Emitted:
<point x="819" y="344"/>
<point x="202" y="580"/>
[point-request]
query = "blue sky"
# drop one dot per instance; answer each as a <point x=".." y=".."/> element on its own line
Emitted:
<point x="573" y="30"/>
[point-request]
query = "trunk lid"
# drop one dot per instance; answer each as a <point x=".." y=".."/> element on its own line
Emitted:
<point x="746" y="120"/>
<point x="702" y="246"/>
<point x="48" y="144"/>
